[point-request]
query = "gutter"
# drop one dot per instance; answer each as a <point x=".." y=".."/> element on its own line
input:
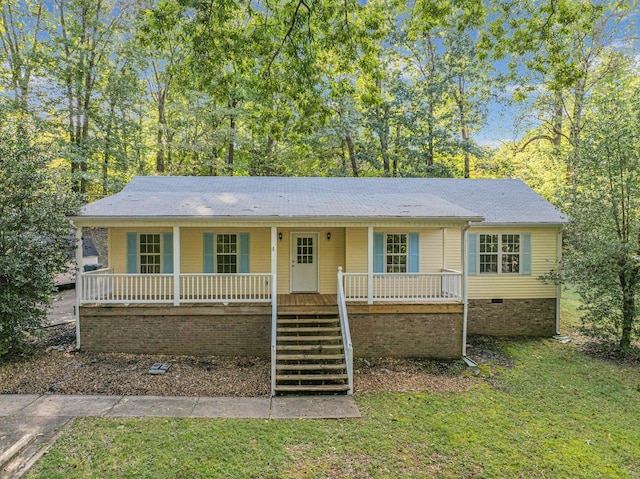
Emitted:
<point x="328" y="219"/>
<point x="559" y="284"/>
<point x="465" y="295"/>
<point x="78" y="288"/>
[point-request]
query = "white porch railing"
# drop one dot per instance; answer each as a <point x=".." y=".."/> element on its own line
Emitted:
<point x="104" y="287"/>
<point x="346" y="331"/>
<point x="442" y="286"/>
<point x="221" y="288"/>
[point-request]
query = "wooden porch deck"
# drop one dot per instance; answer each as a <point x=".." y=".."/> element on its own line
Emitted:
<point x="290" y="304"/>
<point x="313" y="303"/>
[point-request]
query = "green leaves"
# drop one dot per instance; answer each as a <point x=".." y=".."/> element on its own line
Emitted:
<point x="605" y="211"/>
<point x="34" y="233"/>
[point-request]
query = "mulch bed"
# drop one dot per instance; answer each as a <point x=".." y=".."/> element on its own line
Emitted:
<point x="52" y="365"/>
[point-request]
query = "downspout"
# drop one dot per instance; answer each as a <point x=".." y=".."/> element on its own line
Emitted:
<point x="559" y="284"/>
<point x="465" y="295"/>
<point x="78" y="279"/>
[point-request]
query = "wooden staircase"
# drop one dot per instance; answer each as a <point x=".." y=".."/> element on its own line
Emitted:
<point x="310" y="355"/>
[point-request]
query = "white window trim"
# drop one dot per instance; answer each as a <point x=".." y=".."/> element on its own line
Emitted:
<point x="500" y="253"/>
<point x="215" y="253"/>
<point x="140" y="253"/>
<point x="405" y="254"/>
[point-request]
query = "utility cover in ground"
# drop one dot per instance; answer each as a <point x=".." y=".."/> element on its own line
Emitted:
<point x="159" y="368"/>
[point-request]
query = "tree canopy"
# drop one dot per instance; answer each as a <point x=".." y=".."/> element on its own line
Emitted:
<point x="319" y="87"/>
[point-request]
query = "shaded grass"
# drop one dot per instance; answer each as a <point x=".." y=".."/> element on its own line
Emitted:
<point x="569" y="314"/>
<point x="557" y="413"/>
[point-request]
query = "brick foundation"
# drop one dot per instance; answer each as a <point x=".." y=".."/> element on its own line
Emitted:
<point x="512" y="317"/>
<point x="169" y="330"/>
<point x="413" y="335"/>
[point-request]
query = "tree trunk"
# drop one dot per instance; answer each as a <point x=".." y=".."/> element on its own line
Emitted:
<point x="628" y="283"/>
<point x="384" y="147"/>
<point x="464" y="129"/>
<point x="395" y="156"/>
<point x="576" y="128"/>
<point x="352" y="154"/>
<point x="107" y="150"/>
<point x="162" y="130"/>
<point x="430" y="143"/>
<point x="558" y="115"/>
<point x="232" y="130"/>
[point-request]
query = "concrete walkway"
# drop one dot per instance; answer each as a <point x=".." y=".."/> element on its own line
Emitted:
<point x="31" y="423"/>
<point x="282" y="407"/>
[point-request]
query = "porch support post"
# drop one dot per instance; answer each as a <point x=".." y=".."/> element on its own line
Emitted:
<point x="370" y="265"/>
<point x="465" y="300"/>
<point x="176" y="266"/>
<point x="274" y="304"/>
<point x="558" y="285"/>
<point x="78" y="281"/>
<point x="274" y="265"/>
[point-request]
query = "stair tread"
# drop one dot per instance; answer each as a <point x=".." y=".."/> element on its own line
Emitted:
<point x="307" y="320"/>
<point x="307" y="347"/>
<point x="310" y="377"/>
<point x="305" y="329"/>
<point x="314" y="387"/>
<point x="309" y="338"/>
<point x="310" y="367"/>
<point x="291" y="357"/>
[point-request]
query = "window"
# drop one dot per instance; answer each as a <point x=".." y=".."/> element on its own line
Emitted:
<point x="396" y="253"/>
<point x="488" y="253"/>
<point x="150" y="253"/>
<point x="510" y="253"/>
<point x="227" y="253"/>
<point x="499" y="253"/>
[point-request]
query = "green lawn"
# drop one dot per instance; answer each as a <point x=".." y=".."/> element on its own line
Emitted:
<point x="557" y="413"/>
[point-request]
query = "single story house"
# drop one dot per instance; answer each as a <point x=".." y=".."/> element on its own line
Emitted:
<point x="312" y="271"/>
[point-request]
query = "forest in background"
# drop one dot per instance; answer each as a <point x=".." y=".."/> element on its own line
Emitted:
<point x="117" y="88"/>
<point x="93" y="92"/>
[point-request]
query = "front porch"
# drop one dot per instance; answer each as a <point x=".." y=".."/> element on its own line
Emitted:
<point x="187" y="290"/>
<point x="103" y="287"/>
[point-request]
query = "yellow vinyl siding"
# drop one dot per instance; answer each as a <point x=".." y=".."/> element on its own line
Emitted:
<point x="544" y="244"/>
<point x="191" y="247"/>
<point x="453" y="251"/>
<point x="430" y="248"/>
<point x="118" y="245"/>
<point x="355" y="250"/>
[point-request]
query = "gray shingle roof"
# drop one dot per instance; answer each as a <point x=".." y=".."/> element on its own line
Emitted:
<point x="497" y="201"/>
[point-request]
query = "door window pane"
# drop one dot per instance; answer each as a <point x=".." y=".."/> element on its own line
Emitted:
<point x="304" y="250"/>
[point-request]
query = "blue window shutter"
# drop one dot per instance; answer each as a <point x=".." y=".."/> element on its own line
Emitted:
<point x="167" y="253"/>
<point x="378" y="252"/>
<point x="209" y="252"/>
<point x="472" y="254"/>
<point x="525" y="253"/>
<point x="414" y="252"/>
<point x="132" y="253"/>
<point x="243" y="249"/>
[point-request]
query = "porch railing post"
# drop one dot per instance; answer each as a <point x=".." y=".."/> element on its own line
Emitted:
<point x="79" y="279"/>
<point x="370" y="265"/>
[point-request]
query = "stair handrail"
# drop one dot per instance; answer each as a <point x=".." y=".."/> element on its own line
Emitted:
<point x="346" y="332"/>
<point x="274" y="332"/>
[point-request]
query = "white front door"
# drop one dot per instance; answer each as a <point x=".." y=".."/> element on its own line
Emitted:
<point x="304" y="262"/>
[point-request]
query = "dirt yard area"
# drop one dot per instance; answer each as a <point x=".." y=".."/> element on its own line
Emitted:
<point x="53" y="365"/>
